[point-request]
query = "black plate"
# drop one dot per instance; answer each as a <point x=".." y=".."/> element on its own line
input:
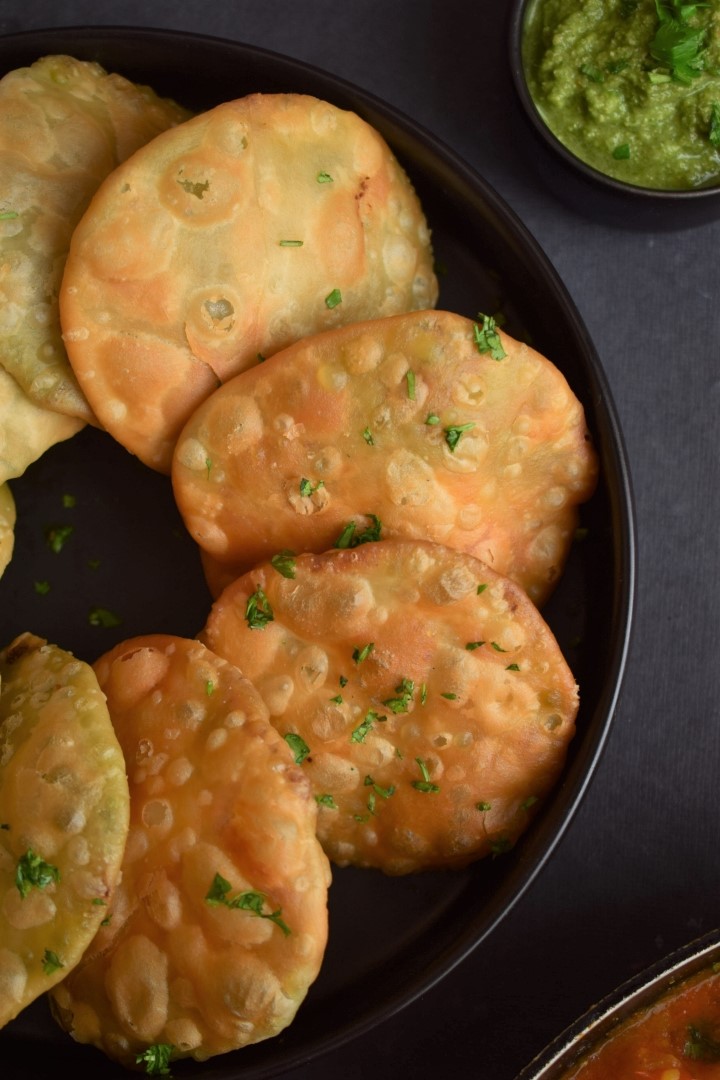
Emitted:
<point x="390" y="939"/>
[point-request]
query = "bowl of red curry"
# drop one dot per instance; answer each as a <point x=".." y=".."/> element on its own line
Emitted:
<point x="623" y="97"/>
<point x="664" y="1024"/>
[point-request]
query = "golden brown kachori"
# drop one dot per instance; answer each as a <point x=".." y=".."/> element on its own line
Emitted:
<point x="64" y="125"/>
<point x="439" y="427"/>
<point x="252" y="225"/>
<point x="63" y="816"/>
<point x="424" y="695"/>
<point x="7" y="526"/>
<point x="27" y="429"/>
<point x="220" y="922"/>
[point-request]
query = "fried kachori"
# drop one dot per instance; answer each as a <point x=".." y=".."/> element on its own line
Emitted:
<point x="64" y="125"/>
<point x="246" y="228"/>
<point x="425" y="425"/>
<point x="7" y="526"/>
<point x="63" y="816"/>
<point x="220" y="922"/>
<point x="423" y="694"/>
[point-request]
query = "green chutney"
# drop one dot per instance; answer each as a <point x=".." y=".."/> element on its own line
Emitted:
<point x="609" y="91"/>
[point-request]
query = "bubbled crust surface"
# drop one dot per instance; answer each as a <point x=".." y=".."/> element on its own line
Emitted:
<point x="218" y="243"/>
<point x="213" y="790"/>
<point x="491" y="725"/>
<point x="338" y="411"/>
<point x="64" y="125"/>
<point x="27" y="429"/>
<point x="64" y="796"/>
<point x="7" y="526"/>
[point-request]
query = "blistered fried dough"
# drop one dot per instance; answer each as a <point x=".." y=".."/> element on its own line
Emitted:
<point x="220" y="922"/>
<point x="255" y="224"/>
<point x="7" y="526"/>
<point x="428" y="698"/>
<point x="63" y="816"/>
<point x="402" y="418"/>
<point x="27" y="430"/>
<point x="64" y="125"/>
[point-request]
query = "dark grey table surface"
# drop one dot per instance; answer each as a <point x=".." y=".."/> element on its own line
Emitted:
<point x="637" y="872"/>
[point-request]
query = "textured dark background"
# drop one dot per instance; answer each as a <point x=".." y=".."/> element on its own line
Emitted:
<point x="637" y="873"/>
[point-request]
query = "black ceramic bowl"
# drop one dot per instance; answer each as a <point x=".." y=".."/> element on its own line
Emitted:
<point x="634" y="997"/>
<point x="585" y="189"/>
<point x="390" y="938"/>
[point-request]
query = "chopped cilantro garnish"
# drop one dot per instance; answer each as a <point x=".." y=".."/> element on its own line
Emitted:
<point x="487" y="339"/>
<point x="324" y="178"/>
<point x="449" y="695"/>
<point x="57" y="535"/>
<point x="343" y="680"/>
<point x="370" y="718"/>
<point x="34" y="873"/>
<point x="42" y="588"/>
<point x="472" y="645"/>
<point x="621" y="152"/>
<point x="299" y="747"/>
<point x="69" y="501"/>
<point x="454" y="434"/>
<point x="291" y="243"/>
<point x="483" y="806"/>
<point x="410" y="378"/>
<point x="284" y="563"/>
<point x="244" y="901"/>
<point x="404" y="690"/>
<point x="496" y="647"/>
<point x="100" y="616"/>
<point x="425" y="784"/>
<point x="156" y="1059"/>
<point x="51" y="962"/>
<point x="432" y="419"/>
<point x="333" y="299"/>
<point x="258" y="612"/>
<point x="350" y="538"/>
<point x="527" y="803"/>
<point x="7" y="215"/>
<point x="326" y="800"/>
<point x="481" y="588"/>
<point x="384" y="793"/>
<point x="368" y="437"/>
<point x="360" y="654"/>
<point x="513" y="667"/>
<point x="307" y="488"/>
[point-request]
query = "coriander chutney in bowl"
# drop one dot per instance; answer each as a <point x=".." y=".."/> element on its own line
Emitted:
<point x="625" y="95"/>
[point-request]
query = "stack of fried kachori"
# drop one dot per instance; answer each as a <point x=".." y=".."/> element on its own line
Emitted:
<point x="63" y="816"/>
<point x="219" y="924"/>
<point x="390" y="693"/>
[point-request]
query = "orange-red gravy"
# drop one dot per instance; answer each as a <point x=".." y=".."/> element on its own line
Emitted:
<point x="677" y="1038"/>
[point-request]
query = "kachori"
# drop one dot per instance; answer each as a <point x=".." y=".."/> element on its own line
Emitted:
<point x="7" y="526"/>
<point x="428" y="424"/>
<point x="63" y="816"/>
<point x="423" y="694"/>
<point x="64" y="125"/>
<point x="248" y="227"/>
<point x="220" y="922"/>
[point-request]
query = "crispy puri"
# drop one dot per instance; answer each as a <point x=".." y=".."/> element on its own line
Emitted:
<point x="220" y="922"/>
<point x="64" y="125"/>
<point x="424" y="695"/>
<point x="7" y="526"/>
<point x="27" y="430"/>
<point x="250" y="226"/>
<point x="63" y="816"/>
<point x="409" y="423"/>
